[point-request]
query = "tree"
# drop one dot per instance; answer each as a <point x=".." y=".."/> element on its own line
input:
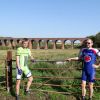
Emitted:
<point x="96" y="39"/>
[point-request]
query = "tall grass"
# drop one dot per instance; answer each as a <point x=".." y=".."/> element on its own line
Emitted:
<point x="54" y="55"/>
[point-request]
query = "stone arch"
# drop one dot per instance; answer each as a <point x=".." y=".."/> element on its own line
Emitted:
<point x="34" y="44"/>
<point x="68" y="44"/>
<point x="42" y="44"/>
<point x="77" y="43"/>
<point x="50" y="44"/>
<point x="58" y="44"/>
<point x="6" y="42"/>
<point x="13" y="44"/>
<point x="18" y="42"/>
<point x="0" y="42"/>
<point x="11" y="41"/>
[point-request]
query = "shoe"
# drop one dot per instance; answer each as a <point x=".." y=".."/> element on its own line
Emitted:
<point x="27" y="92"/>
<point x="17" y="97"/>
<point x="83" y="97"/>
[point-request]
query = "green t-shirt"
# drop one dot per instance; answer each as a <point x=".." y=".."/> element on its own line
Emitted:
<point x="23" y="54"/>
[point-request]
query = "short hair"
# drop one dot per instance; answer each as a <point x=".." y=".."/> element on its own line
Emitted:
<point x="89" y="39"/>
<point x="24" y="40"/>
<point x="84" y="42"/>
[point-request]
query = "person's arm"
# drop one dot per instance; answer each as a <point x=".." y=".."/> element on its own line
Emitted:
<point x="31" y="57"/>
<point x="72" y="59"/>
<point x="18" y="65"/>
<point x="18" y="52"/>
<point x="79" y="57"/>
<point x="96" y="65"/>
<point x="17" y="62"/>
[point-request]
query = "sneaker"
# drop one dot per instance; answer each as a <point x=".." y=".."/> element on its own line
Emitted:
<point x="17" y="97"/>
<point x="83" y="97"/>
<point x="27" y="92"/>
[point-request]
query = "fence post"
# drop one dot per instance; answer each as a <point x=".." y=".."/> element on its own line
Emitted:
<point x="9" y="71"/>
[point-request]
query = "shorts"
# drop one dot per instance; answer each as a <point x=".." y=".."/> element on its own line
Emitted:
<point x="26" y="72"/>
<point x="90" y="77"/>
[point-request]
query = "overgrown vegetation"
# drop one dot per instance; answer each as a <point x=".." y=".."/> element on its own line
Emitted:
<point x="67" y="73"/>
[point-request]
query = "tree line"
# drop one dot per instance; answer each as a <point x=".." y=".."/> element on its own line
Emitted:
<point x="96" y="39"/>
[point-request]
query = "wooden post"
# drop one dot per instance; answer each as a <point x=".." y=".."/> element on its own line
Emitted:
<point x="6" y="74"/>
<point x="9" y="71"/>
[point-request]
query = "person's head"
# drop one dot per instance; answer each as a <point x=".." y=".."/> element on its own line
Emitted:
<point x="88" y="43"/>
<point x="25" y="43"/>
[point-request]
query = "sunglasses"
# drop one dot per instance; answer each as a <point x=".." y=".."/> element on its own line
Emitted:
<point x="88" y="43"/>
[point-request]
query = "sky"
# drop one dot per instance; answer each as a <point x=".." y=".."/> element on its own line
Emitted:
<point x="49" y="18"/>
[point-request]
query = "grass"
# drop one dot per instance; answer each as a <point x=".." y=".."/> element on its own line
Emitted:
<point x="52" y="55"/>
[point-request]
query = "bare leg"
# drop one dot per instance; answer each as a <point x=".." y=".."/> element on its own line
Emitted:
<point x="90" y="89"/>
<point x="83" y="88"/>
<point x="30" y="79"/>
<point x="17" y="86"/>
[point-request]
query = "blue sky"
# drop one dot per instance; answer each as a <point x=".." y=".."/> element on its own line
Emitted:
<point x="49" y="18"/>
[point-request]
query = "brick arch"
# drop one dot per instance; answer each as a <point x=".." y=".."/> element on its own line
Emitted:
<point x="50" y="44"/>
<point x="0" y="42"/>
<point x="59" y="43"/>
<point x="77" y="43"/>
<point x="33" y="44"/>
<point x="67" y="44"/>
<point x="6" y="42"/>
<point x="42" y="44"/>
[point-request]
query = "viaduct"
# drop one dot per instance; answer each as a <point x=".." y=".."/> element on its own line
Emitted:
<point x="13" y="42"/>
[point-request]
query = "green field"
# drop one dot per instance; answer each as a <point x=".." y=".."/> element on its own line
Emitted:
<point x="67" y="72"/>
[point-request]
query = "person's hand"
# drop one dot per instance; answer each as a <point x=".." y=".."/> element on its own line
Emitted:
<point x="33" y="60"/>
<point x="95" y="66"/>
<point x="19" y="71"/>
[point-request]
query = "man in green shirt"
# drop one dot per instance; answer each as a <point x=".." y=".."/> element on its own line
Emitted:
<point x="22" y="55"/>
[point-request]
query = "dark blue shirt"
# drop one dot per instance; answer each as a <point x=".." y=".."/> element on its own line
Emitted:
<point x="88" y="57"/>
